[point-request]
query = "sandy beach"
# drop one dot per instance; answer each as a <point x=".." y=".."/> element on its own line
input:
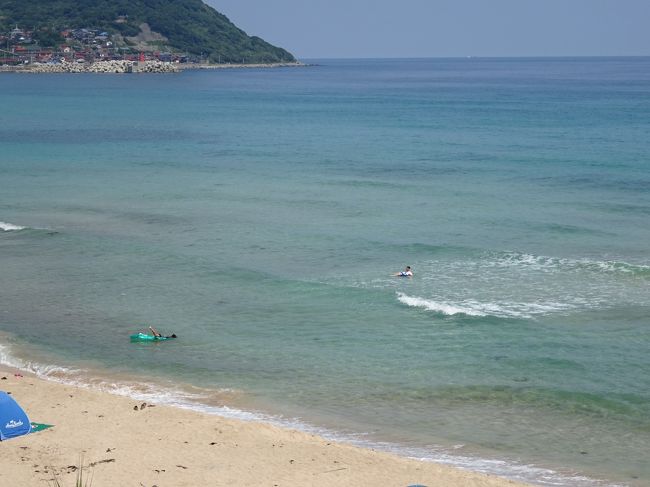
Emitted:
<point x="124" y="442"/>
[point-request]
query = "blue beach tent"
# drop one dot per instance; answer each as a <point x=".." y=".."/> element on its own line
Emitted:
<point x="13" y="420"/>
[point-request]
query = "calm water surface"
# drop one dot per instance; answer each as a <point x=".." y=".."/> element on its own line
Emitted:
<point x="259" y="215"/>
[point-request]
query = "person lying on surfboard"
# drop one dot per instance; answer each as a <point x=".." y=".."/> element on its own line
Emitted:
<point x="407" y="272"/>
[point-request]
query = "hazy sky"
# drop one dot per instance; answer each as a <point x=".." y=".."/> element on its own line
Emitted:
<point x="422" y="28"/>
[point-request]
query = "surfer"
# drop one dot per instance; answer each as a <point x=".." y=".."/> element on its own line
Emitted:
<point x="407" y="272"/>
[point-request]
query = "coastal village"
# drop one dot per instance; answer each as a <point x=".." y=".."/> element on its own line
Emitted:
<point x="88" y="50"/>
<point x="20" y="47"/>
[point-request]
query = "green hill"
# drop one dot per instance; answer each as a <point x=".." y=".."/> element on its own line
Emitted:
<point x="180" y="25"/>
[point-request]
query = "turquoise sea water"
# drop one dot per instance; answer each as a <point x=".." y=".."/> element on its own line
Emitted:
<point x="259" y="214"/>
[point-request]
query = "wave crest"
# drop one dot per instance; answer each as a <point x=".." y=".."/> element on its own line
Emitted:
<point x="437" y="306"/>
<point x="477" y="308"/>
<point x="10" y="227"/>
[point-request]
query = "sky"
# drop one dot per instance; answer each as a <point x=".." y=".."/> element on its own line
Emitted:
<point x="446" y="28"/>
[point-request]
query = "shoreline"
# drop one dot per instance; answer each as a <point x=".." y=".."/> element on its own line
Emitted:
<point x="231" y="405"/>
<point x="170" y="446"/>
<point x="190" y="66"/>
<point x="128" y="67"/>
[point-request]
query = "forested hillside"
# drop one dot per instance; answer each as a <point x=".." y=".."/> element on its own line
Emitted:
<point x="183" y="25"/>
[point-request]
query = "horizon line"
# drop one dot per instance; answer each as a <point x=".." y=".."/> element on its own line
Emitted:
<point x="578" y="56"/>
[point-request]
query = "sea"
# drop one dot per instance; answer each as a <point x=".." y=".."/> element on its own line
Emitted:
<point x="260" y="215"/>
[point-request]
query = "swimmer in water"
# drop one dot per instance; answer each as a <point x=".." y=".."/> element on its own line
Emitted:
<point x="407" y="272"/>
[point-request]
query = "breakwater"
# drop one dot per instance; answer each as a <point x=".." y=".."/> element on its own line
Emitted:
<point x="133" y="67"/>
<point x="99" y="67"/>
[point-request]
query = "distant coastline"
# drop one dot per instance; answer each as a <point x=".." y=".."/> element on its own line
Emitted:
<point x="296" y="64"/>
<point x="123" y="67"/>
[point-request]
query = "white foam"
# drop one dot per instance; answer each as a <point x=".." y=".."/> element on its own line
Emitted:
<point x="7" y="359"/>
<point x="10" y="227"/>
<point x="439" y="307"/>
<point x="476" y="308"/>
<point x="140" y="390"/>
<point x="40" y="370"/>
<point x="549" y="264"/>
<point x="515" y="471"/>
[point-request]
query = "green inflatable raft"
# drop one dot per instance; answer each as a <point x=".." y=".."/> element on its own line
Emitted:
<point x="143" y="337"/>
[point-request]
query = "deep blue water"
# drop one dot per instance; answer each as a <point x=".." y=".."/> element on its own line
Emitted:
<point x="259" y="214"/>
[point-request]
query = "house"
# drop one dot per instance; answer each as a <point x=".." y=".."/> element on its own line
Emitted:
<point x="16" y="34"/>
<point x="84" y="35"/>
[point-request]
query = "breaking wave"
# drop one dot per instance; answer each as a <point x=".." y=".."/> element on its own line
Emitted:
<point x="476" y="308"/>
<point x="10" y="227"/>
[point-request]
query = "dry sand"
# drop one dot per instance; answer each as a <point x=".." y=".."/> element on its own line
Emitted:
<point x="169" y="447"/>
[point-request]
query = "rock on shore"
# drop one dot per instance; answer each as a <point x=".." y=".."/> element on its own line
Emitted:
<point x="103" y="67"/>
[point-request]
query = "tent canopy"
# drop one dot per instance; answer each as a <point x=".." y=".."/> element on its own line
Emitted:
<point x="13" y="420"/>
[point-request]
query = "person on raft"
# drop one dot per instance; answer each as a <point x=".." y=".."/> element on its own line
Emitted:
<point x="407" y="272"/>
<point x="157" y="334"/>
